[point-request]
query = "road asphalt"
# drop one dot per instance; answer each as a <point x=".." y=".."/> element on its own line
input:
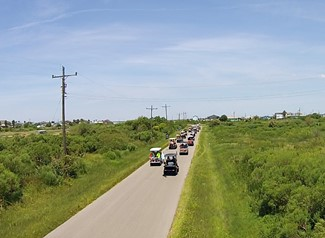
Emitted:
<point x="143" y="205"/>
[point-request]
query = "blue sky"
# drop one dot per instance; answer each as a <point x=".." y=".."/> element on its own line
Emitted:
<point x="199" y="57"/>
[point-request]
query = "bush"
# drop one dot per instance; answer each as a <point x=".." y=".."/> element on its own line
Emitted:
<point x="40" y="153"/>
<point x="10" y="188"/>
<point x="2" y="146"/>
<point x="21" y="165"/>
<point x="111" y="155"/>
<point x="272" y="123"/>
<point x="131" y="147"/>
<point x="214" y="123"/>
<point x="144" y="136"/>
<point x="49" y="176"/>
<point x="69" y="166"/>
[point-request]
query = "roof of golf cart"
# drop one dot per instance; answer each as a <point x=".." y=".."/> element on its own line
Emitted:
<point x="155" y="149"/>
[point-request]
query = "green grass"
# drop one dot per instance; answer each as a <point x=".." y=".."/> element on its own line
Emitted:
<point x="213" y="201"/>
<point x="38" y="214"/>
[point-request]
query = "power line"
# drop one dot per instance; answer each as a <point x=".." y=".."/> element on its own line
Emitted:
<point x="151" y="109"/>
<point x="277" y="95"/>
<point x="64" y="85"/>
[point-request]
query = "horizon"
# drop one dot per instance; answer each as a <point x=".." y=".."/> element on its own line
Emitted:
<point x="233" y="116"/>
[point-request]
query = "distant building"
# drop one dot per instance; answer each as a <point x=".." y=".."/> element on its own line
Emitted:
<point x="279" y="115"/>
<point x="284" y="114"/>
<point x="3" y="123"/>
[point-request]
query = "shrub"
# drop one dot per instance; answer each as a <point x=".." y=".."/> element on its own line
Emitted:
<point x="49" y="176"/>
<point x="40" y="153"/>
<point x="2" y="146"/>
<point x="10" y="188"/>
<point x="111" y="155"/>
<point x="272" y="123"/>
<point x="213" y="123"/>
<point x="21" y="165"/>
<point x="144" y="136"/>
<point x="131" y="147"/>
<point x="69" y="166"/>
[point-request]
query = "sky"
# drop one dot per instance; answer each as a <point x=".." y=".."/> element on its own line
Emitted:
<point x="195" y="58"/>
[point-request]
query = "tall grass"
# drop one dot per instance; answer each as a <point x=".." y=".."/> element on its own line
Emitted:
<point x="256" y="179"/>
<point x="213" y="201"/>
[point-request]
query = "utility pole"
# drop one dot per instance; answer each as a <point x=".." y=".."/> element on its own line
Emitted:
<point x="184" y="116"/>
<point x="64" y="85"/>
<point x="166" y="109"/>
<point x="151" y="109"/>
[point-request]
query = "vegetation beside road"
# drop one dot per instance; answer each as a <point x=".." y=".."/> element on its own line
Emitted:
<point x="258" y="179"/>
<point x="213" y="201"/>
<point x="40" y="189"/>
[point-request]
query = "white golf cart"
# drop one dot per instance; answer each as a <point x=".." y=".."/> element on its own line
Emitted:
<point x="156" y="156"/>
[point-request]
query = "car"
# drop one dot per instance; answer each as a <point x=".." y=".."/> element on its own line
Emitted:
<point x="183" y="149"/>
<point x="156" y="156"/>
<point x="172" y="143"/>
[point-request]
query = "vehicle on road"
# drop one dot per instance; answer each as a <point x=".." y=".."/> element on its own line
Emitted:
<point x="179" y="138"/>
<point x="171" y="165"/>
<point x="190" y="140"/>
<point x="183" y="134"/>
<point x="156" y="156"/>
<point x="183" y="149"/>
<point x="172" y="143"/>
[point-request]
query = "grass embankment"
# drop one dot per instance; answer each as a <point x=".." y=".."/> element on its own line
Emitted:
<point x="39" y="214"/>
<point x="213" y="201"/>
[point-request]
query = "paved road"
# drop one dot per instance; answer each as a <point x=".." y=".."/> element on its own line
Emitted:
<point x="141" y="206"/>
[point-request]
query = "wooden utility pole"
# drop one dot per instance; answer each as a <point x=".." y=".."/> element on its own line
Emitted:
<point x="151" y="109"/>
<point x="64" y="85"/>
<point x="166" y="110"/>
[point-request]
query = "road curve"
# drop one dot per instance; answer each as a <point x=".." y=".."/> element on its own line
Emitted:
<point x="143" y="205"/>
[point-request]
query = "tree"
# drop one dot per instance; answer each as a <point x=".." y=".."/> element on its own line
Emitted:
<point x="223" y="118"/>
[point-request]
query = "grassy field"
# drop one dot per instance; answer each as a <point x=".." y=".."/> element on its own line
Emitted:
<point x="38" y="215"/>
<point x="256" y="178"/>
<point x="213" y="201"/>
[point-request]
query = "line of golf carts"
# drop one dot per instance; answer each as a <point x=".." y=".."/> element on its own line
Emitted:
<point x="185" y="139"/>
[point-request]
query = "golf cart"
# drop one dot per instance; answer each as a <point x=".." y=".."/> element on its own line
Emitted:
<point x="156" y="157"/>
<point x="179" y="139"/>
<point x="183" y="149"/>
<point x="190" y="140"/>
<point x="171" y="166"/>
<point x="172" y="143"/>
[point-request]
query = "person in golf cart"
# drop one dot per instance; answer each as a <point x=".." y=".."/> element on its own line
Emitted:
<point x="156" y="156"/>
<point x="171" y="158"/>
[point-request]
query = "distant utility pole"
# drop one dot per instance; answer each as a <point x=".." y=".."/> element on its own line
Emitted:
<point x="151" y="109"/>
<point x="64" y="85"/>
<point x="166" y="109"/>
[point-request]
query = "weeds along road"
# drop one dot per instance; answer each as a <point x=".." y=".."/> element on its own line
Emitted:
<point x="141" y="206"/>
